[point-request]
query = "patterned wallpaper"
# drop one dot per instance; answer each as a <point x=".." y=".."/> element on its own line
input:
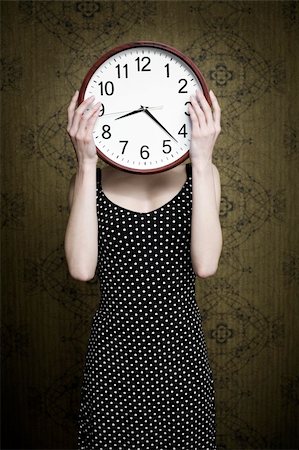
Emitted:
<point x="247" y="52"/>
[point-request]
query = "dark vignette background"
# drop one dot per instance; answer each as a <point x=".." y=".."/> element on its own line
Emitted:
<point x="247" y="53"/>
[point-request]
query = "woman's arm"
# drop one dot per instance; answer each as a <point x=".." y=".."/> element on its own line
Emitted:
<point x="206" y="233"/>
<point x="81" y="236"/>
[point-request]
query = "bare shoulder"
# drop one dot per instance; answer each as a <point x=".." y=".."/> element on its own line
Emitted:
<point x="111" y="174"/>
<point x="109" y="169"/>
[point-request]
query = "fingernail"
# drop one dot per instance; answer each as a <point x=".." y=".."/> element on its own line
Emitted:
<point x="211" y="92"/>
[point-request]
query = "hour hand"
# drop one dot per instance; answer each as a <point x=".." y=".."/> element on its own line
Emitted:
<point x="154" y="118"/>
<point x="132" y="112"/>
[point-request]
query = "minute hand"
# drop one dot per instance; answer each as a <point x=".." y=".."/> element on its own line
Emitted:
<point x="154" y="118"/>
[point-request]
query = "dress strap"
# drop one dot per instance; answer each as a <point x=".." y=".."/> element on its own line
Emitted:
<point x="189" y="170"/>
<point x="99" y="177"/>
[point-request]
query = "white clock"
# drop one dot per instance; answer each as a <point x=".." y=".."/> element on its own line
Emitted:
<point x="144" y="125"/>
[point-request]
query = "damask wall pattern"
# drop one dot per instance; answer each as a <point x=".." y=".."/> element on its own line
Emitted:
<point x="247" y="52"/>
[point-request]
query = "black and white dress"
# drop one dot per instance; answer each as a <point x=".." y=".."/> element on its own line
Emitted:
<point x="147" y="381"/>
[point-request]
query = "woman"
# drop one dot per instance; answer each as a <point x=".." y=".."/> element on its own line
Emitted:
<point x="147" y="378"/>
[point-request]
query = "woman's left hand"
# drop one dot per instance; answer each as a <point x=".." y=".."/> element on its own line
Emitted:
<point x="205" y="128"/>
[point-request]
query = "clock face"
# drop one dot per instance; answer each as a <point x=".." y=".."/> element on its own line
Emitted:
<point x="144" y="124"/>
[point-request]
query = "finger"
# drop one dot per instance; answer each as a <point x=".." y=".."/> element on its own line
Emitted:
<point x="83" y="125"/>
<point x="92" y="120"/>
<point x="71" y="108"/>
<point x="216" y="108"/>
<point x="194" y="120"/>
<point x="78" y="113"/>
<point x="199" y="112"/>
<point x="205" y="106"/>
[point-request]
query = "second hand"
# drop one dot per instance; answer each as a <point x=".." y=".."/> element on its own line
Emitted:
<point x="121" y="112"/>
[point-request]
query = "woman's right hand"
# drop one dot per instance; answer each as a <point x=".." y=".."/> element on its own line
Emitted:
<point x="80" y="128"/>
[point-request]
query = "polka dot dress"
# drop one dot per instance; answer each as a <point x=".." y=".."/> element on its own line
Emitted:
<point x="147" y="379"/>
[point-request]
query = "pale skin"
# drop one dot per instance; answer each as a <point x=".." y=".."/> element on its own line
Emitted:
<point x="144" y="193"/>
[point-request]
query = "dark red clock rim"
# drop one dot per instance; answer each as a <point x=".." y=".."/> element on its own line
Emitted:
<point x="135" y="44"/>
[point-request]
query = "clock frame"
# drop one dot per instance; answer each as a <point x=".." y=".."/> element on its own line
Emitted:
<point x="132" y="45"/>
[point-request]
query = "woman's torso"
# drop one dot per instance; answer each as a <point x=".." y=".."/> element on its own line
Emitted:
<point x="134" y="244"/>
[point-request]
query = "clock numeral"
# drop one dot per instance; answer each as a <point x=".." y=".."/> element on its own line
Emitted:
<point x="102" y="110"/>
<point x="181" y="90"/>
<point x="143" y="69"/>
<point x="119" y="69"/>
<point x="123" y="150"/>
<point x="166" y="145"/>
<point x="183" y="130"/>
<point x="107" y="89"/>
<point x="167" y="70"/>
<point x="144" y="152"/>
<point x="106" y="132"/>
<point x="187" y="114"/>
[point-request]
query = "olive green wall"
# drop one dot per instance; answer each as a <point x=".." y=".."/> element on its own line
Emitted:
<point x="247" y="54"/>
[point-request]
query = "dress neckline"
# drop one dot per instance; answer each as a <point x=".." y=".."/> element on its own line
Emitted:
<point x="138" y="213"/>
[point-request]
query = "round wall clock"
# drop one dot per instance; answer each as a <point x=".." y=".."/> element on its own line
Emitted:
<point x="144" y="125"/>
